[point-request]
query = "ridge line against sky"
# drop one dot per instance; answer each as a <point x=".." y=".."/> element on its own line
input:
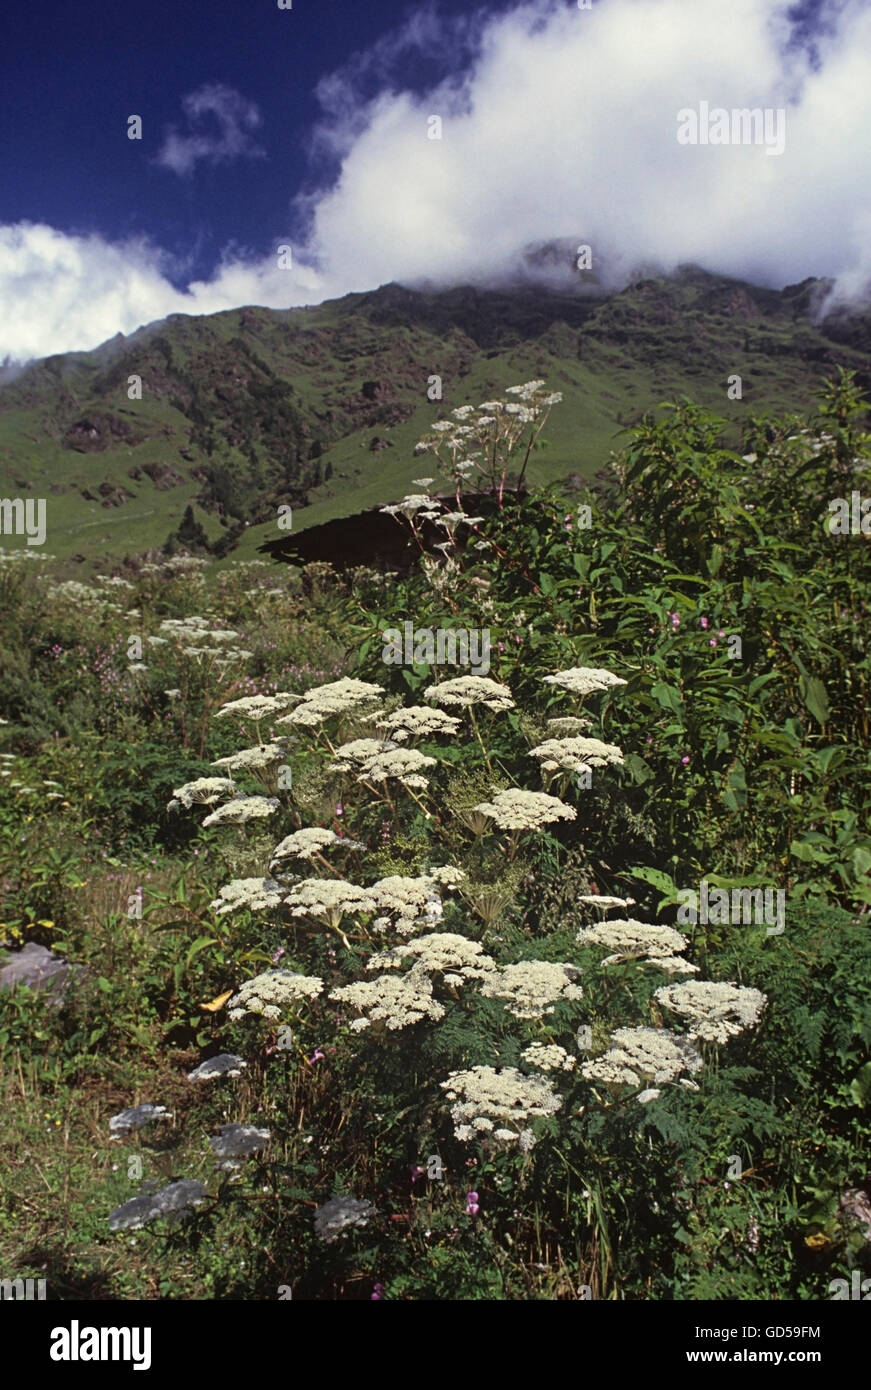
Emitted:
<point x="311" y="128"/>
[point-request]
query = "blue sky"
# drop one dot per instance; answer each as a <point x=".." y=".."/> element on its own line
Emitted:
<point x="309" y="127"/>
<point x="73" y="73"/>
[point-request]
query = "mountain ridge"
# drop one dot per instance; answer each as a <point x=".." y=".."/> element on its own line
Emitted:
<point x="250" y="408"/>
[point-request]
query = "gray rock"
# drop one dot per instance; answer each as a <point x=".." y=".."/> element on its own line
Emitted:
<point x="37" y="967"/>
<point x="174" y="1200"/>
<point x="225" y="1064"/>
<point x="140" y="1115"/>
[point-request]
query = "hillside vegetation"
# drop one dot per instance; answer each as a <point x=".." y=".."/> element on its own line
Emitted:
<point x="430" y="918"/>
<point x="319" y="408"/>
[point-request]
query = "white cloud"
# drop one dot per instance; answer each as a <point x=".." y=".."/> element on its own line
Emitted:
<point x="236" y="119"/>
<point x="72" y="292"/>
<point x="557" y="123"/>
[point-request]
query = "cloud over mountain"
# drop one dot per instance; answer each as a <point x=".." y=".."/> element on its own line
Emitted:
<point x="556" y="123"/>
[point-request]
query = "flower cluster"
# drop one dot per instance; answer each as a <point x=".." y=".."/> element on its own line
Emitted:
<point x="253" y="893"/>
<point x="471" y="690"/>
<point x="242" y="809"/>
<point x="417" y="721"/>
<point x="205" y="791"/>
<point x="632" y="940"/>
<point x="548" y="1057"/>
<point x="270" y="993"/>
<point x="489" y="1099"/>
<point x="339" y="1214"/>
<point x="643" y="1054"/>
<point x="337" y="697"/>
<point x="584" y="680"/>
<point x="532" y="986"/>
<point x="394" y="1000"/>
<point x="716" y="1010"/>
<point x="516" y="809"/>
<point x="305" y="844"/>
<point x="456" y="957"/>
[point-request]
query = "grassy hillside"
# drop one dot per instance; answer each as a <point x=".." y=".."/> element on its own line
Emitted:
<point x="321" y="407"/>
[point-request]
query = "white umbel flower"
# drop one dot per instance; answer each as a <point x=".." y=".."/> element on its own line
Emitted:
<point x="471" y="690"/>
<point x="413" y="901"/>
<point x="252" y="759"/>
<point x="632" y="938"/>
<point x="253" y="893"/>
<point x="350" y="756"/>
<point x="417" y="721"/>
<point x="715" y="1010"/>
<point x="395" y="1000"/>
<point x="269" y="994"/>
<point x="243" y="809"/>
<point x="584" y="680"/>
<point x="576" y="754"/>
<point x="532" y="986"/>
<point x="404" y="764"/>
<point x="485" y="1096"/>
<point x="328" y="898"/>
<point x="256" y="707"/>
<point x="339" y="1215"/>
<point x="334" y="698"/>
<point x="643" y="1054"/>
<point x="205" y="791"/>
<point x="439" y="952"/>
<point x="517" y="809"/>
<point x="304" y="844"/>
<point x="548" y="1057"/>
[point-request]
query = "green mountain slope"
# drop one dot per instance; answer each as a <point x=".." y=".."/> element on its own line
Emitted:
<point x="321" y="407"/>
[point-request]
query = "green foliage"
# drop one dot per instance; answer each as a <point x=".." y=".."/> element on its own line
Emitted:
<point x="742" y="769"/>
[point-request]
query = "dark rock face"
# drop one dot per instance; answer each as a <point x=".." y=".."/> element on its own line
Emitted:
<point x="93" y="433"/>
<point x="373" y="538"/>
<point x="38" y="967"/>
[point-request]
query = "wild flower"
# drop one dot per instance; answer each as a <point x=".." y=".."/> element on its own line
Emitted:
<point x="517" y="809"/>
<point x="548" y="1057"/>
<point x="643" y="1054"/>
<point x="439" y="952"/>
<point x="715" y="1010"/>
<point x="243" y="809"/>
<point x="584" y="680"/>
<point x="411" y="900"/>
<point x="396" y="1000"/>
<point x="256" y="707"/>
<point x="234" y="1142"/>
<point x="328" y="898"/>
<point x="417" y="721"/>
<point x="272" y="992"/>
<point x="533" y="986"/>
<point x="339" y="1214"/>
<point x="205" y="791"/>
<point x="471" y="690"/>
<point x="252" y="759"/>
<point x="129" y="1120"/>
<point x="171" y="1200"/>
<point x="632" y="938"/>
<point x="350" y="756"/>
<point x="307" y="843"/>
<point x="485" y="1096"/>
<point x="403" y="764"/>
<point x="253" y="893"/>
<point x="225" y="1064"/>
<point x="325" y="701"/>
<point x="557" y="754"/>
